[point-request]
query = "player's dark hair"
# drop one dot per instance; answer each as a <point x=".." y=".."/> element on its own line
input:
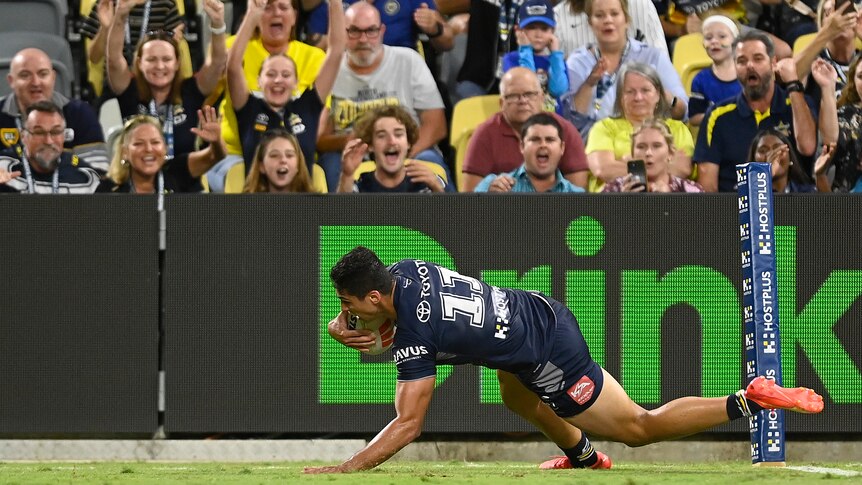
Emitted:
<point x="544" y="119"/>
<point x="758" y="36"/>
<point x="360" y="272"/>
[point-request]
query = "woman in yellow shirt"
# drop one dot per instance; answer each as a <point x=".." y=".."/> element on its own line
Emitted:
<point x="640" y="96"/>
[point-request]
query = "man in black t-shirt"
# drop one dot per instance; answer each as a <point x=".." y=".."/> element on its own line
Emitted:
<point x="387" y="133"/>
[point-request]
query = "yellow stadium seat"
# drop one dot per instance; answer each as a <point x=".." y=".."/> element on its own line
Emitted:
<point x="369" y="166"/>
<point x="318" y="179"/>
<point x="802" y="42"/>
<point x="689" y="57"/>
<point x="467" y="115"/>
<point x="235" y="179"/>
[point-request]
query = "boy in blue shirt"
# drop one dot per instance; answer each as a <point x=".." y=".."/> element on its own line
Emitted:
<point x="539" y="51"/>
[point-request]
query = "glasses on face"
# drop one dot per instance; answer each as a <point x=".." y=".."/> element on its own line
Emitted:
<point x="55" y="133"/>
<point x="514" y="97"/>
<point x="370" y="32"/>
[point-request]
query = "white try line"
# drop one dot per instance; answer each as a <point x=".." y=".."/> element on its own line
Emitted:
<point x="819" y="469"/>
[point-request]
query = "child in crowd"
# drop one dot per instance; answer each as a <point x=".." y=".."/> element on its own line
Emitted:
<point x="539" y="51"/>
<point x="719" y="82"/>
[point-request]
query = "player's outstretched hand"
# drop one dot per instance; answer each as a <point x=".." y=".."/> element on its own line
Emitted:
<point x="317" y="470"/>
<point x="360" y="340"/>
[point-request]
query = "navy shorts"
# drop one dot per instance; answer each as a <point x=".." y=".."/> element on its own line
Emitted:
<point x="571" y="381"/>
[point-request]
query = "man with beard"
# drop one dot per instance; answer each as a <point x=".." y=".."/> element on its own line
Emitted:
<point x="730" y="125"/>
<point x="372" y="75"/>
<point x="41" y="166"/>
<point x="32" y="78"/>
<point x="542" y="147"/>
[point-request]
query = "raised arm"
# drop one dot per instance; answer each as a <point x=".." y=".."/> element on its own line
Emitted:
<point x="826" y="77"/>
<point x="337" y="36"/>
<point x="105" y="14"/>
<point x="430" y="22"/>
<point x="119" y="75"/>
<point x="210" y="131"/>
<point x="833" y="25"/>
<point x="236" y="83"/>
<point x="211" y="72"/>
<point x="803" y="122"/>
<point x="351" y="157"/>
<point x="411" y="404"/>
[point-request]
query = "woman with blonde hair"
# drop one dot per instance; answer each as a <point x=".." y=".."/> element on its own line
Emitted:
<point x="652" y="142"/>
<point x="140" y="164"/>
<point x="278" y="165"/>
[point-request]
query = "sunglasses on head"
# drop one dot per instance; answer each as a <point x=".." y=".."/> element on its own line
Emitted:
<point x="160" y="34"/>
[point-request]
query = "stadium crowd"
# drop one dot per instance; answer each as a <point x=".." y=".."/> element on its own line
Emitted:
<point x="361" y="96"/>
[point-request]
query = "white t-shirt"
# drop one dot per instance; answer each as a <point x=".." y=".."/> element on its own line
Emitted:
<point x="402" y="79"/>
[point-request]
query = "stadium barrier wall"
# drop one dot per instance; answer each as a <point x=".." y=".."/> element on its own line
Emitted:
<point x="655" y="282"/>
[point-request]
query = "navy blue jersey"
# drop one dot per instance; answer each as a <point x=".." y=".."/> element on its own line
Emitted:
<point x="450" y="318"/>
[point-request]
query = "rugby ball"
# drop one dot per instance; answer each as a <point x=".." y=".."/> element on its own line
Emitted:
<point x="382" y="328"/>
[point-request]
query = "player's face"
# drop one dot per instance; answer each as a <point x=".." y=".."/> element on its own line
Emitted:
<point x="608" y="21"/>
<point x="542" y="149"/>
<point x="754" y="68"/>
<point x="363" y="308"/>
<point x="651" y="147"/>
<point x="718" y="41"/>
<point x="277" y="81"/>
<point x="280" y="164"/>
<point x="390" y="145"/>
<point x="145" y="150"/>
<point x="43" y="139"/>
<point x="276" y="22"/>
<point x="31" y="77"/>
<point x="520" y="98"/>
<point x="158" y="63"/>
<point x="539" y="34"/>
<point x="640" y="97"/>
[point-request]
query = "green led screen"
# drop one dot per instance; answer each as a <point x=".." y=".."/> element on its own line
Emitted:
<point x="653" y="280"/>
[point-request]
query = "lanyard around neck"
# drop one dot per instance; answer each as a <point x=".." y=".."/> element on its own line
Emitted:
<point x="168" y="125"/>
<point x="28" y="175"/>
<point x="160" y="189"/>
<point x="145" y="21"/>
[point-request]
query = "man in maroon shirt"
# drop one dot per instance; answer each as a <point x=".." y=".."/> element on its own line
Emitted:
<point x="495" y="145"/>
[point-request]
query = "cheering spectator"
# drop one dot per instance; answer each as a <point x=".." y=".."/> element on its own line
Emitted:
<point x="719" y="81"/>
<point x="573" y="26"/>
<point x="542" y="147"/>
<point x="154" y="86"/>
<point x="39" y="165"/>
<point x="278" y="108"/>
<point x="773" y="147"/>
<point x="279" y="165"/>
<point x="593" y="69"/>
<point x="388" y="133"/>
<point x="140" y="164"/>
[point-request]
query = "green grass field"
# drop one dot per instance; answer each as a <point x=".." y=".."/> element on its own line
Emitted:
<point x="400" y="473"/>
